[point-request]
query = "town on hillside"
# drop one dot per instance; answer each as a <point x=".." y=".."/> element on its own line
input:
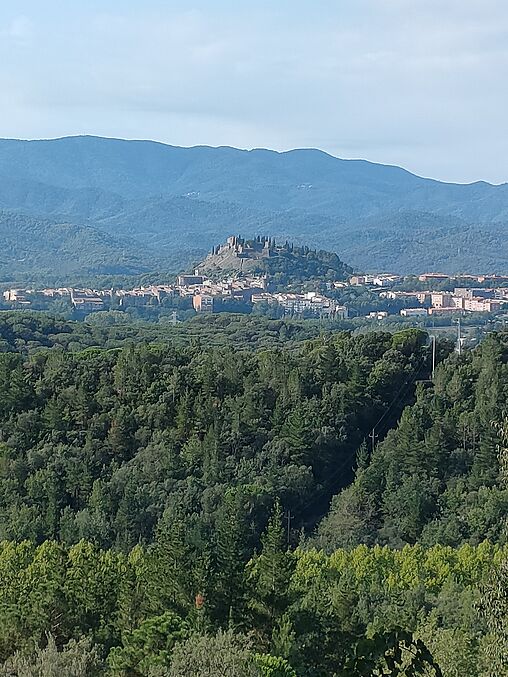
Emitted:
<point x="234" y="278"/>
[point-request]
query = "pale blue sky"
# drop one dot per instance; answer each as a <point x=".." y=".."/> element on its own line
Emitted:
<point x="418" y="83"/>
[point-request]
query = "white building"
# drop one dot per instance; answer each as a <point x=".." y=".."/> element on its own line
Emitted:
<point x="413" y="312"/>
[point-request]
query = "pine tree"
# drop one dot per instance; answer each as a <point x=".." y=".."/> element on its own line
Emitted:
<point x="230" y="556"/>
<point x="171" y="582"/>
<point x="269" y="574"/>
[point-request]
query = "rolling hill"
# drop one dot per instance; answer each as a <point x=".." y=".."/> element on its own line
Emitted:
<point x="151" y="197"/>
<point x="37" y="249"/>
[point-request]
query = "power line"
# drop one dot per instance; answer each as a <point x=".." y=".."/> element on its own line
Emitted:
<point x="349" y="458"/>
<point x="404" y="387"/>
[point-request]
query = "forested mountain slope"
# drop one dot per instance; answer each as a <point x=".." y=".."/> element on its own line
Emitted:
<point x="40" y="249"/>
<point x="155" y="612"/>
<point x="171" y="197"/>
<point x="436" y="478"/>
<point x="98" y="444"/>
<point x="152" y="498"/>
<point x="301" y="179"/>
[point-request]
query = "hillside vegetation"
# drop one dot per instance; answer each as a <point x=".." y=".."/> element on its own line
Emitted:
<point x="117" y="437"/>
<point x="38" y="249"/>
<point x="437" y="477"/>
<point x="167" y="198"/>
<point x="287" y="265"/>
<point x="164" y="508"/>
<point x="28" y="332"/>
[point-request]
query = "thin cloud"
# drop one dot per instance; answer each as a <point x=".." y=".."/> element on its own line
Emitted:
<point x="419" y="83"/>
<point x="19" y="31"/>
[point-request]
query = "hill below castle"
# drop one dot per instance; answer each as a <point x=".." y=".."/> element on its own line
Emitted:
<point x="282" y="263"/>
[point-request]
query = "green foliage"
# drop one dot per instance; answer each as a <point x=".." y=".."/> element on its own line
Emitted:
<point x="395" y="653"/>
<point x="456" y="648"/>
<point x="210" y="655"/>
<point x="149" y="645"/>
<point x="29" y="332"/>
<point x="329" y="610"/>
<point x="100" y="444"/>
<point x="270" y="573"/>
<point x="75" y="659"/>
<point x="273" y="666"/>
<point x="151" y="497"/>
<point x="436" y="478"/>
<point x="493" y="604"/>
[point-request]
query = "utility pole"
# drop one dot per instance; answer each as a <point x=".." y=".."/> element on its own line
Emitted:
<point x="373" y="437"/>
<point x="459" y="338"/>
<point x="289" y="517"/>
<point x="433" y="337"/>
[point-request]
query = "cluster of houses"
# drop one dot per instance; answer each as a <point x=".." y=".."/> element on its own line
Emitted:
<point x="203" y="294"/>
<point x="87" y="300"/>
<point x="443" y="277"/>
<point x="468" y="299"/>
<point x="210" y="296"/>
<point x="243" y="291"/>
<point x="307" y="304"/>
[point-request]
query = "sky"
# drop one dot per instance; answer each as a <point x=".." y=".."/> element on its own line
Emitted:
<point x="418" y="83"/>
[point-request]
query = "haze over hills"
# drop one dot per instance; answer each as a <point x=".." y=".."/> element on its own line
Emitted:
<point x="150" y="200"/>
<point x="34" y="248"/>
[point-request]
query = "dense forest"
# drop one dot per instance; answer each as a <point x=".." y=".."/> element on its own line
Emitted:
<point x="296" y="265"/>
<point x="147" y="427"/>
<point x="436" y="477"/>
<point x="40" y="250"/>
<point x="29" y="331"/>
<point x="165" y="505"/>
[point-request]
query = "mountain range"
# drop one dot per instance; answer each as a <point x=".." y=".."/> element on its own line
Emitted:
<point x="99" y="205"/>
